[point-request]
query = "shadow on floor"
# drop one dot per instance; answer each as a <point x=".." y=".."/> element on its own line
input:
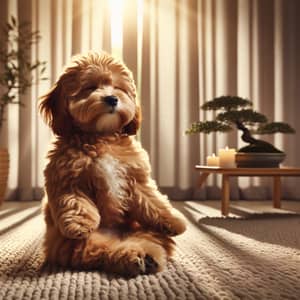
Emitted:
<point x="274" y="228"/>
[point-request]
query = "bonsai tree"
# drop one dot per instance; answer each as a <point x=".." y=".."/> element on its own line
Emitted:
<point x="235" y="112"/>
<point x="16" y="66"/>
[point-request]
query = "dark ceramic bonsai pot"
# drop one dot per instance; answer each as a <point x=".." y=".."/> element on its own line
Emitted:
<point x="259" y="160"/>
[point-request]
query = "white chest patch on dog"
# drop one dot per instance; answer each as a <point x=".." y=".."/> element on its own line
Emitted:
<point x="114" y="174"/>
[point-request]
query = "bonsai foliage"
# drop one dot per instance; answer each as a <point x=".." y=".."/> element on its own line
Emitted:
<point x="16" y="66"/>
<point x="235" y="112"/>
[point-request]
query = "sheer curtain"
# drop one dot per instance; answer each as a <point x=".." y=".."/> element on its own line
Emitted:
<point x="67" y="27"/>
<point x="196" y="50"/>
<point x="182" y="53"/>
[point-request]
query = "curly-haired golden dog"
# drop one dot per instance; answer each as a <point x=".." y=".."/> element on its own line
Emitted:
<point x="103" y="211"/>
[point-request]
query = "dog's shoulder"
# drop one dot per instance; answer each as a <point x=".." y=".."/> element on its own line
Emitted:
<point x="69" y="156"/>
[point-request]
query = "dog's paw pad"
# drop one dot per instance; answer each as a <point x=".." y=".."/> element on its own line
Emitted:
<point x="142" y="265"/>
<point x="139" y="265"/>
<point x="151" y="266"/>
<point x="133" y="266"/>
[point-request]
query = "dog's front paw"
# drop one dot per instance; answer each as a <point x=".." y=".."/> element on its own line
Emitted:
<point x="173" y="223"/>
<point x="78" y="226"/>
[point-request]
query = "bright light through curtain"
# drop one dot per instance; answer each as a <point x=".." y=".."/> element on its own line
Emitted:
<point x="182" y="53"/>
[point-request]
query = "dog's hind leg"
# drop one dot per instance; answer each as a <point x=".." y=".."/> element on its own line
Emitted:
<point x="131" y="255"/>
<point x="154" y="211"/>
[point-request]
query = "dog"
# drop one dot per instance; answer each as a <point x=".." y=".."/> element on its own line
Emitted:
<point x="102" y="209"/>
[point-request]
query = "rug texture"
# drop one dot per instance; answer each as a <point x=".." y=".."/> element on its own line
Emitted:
<point x="217" y="258"/>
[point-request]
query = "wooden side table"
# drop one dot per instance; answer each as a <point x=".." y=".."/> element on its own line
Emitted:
<point x="226" y="173"/>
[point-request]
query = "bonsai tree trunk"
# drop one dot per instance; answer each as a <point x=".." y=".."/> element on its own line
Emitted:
<point x="255" y="144"/>
<point x="246" y="135"/>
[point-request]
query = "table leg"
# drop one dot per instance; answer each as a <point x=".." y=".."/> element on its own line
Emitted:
<point x="202" y="178"/>
<point x="276" y="192"/>
<point x="225" y="195"/>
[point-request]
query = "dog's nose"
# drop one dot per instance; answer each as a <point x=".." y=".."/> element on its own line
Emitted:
<point x="111" y="100"/>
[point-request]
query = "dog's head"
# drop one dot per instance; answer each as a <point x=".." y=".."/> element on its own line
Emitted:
<point x="95" y="94"/>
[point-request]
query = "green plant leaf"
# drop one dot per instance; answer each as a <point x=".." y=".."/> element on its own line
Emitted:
<point x="13" y="21"/>
<point x="9" y="27"/>
<point x="43" y="70"/>
<point x="208" y="127"/>
<point x="226" y="103"/>
<point x="243" y="116"/>
<point x="274" y="127"/>
<point x="16" y="76"/>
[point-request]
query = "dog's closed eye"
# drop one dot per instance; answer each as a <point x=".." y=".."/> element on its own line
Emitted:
<point x="90" y="88"/>
<point x="122" y="90"/>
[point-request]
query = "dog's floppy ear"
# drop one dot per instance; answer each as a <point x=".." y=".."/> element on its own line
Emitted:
<point x="132" y="127"/>
<point x="53" y="109"/>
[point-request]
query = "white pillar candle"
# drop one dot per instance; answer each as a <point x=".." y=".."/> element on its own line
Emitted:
<point x="227" y="158"/>
<point x="212" y="161"/>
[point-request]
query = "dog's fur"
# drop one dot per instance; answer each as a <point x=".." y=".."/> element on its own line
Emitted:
<point x="103" y="211"/>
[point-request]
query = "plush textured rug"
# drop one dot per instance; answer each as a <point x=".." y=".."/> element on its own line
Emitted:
<point x="252" y="257"/>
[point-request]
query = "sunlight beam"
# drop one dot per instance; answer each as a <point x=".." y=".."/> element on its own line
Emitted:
<point x="116" y="9"/>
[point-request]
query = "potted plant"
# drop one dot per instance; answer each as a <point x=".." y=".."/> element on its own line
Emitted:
<point x="233" y="111"/>
<point x="16" y="76"/>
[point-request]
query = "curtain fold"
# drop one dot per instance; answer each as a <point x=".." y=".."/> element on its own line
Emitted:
<point x="182" y="53"/>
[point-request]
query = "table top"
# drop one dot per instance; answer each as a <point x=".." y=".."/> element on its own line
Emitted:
<point x="282" y="171"/>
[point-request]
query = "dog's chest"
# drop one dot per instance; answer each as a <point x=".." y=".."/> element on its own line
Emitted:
<point x="114" y="174"/>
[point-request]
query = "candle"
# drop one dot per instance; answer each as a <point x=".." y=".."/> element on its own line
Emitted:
<point x="227" y="158"/>
<point x="212" y="161"/>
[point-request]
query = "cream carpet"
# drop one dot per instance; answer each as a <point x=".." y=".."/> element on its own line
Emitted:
<point x="252" y="256"/>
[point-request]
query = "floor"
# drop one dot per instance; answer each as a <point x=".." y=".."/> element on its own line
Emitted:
<point x="244" y="208"/>
<point x="252" y="257"/>
<point x="210" y="208"/>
